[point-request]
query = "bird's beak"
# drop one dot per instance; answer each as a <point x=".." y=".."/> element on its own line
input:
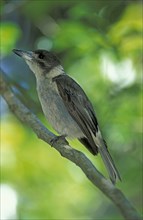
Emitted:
<point x="27" y="55"/>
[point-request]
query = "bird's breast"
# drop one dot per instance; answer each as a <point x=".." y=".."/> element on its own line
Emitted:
<point x="55" y="111"/>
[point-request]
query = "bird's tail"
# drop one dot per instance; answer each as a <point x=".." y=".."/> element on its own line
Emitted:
<point x="109" y="163"/>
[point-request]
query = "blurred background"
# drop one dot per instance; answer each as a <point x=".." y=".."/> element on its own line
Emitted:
<point x="99" y="44"/>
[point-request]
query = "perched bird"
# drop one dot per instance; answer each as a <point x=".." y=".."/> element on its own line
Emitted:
<point x="66" y="106"/>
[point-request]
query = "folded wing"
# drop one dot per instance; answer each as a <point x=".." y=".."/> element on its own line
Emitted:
<point x="81" y="110"/>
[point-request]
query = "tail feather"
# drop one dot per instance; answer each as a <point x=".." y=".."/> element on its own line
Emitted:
<point x="101" y="147"/>
<point x="109" y="163"/>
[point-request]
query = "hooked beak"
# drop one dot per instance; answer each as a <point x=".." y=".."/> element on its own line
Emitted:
<point x="27" y="55"/>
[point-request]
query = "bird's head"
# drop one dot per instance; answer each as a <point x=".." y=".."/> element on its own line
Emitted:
<point x="41" y="62"/>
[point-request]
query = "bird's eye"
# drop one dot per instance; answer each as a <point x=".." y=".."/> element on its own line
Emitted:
<point x="41" y="56"/>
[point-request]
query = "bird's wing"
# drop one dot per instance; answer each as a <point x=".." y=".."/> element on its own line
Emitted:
<point x="81" y="110"/>
<point x="79" y="107"/>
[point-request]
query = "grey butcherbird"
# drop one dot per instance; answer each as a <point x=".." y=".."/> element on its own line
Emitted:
<point x="66" y="106"/>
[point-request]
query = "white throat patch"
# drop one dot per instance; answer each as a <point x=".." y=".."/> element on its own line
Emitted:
<point x="56" y="71"/>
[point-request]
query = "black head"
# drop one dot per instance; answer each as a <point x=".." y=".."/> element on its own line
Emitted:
<point x="46" y="59"/>
<point x="39" y="60"/>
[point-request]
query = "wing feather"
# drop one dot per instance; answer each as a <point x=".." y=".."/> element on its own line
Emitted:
<point x="78" y="106"/>
<point x="81" y="110"/>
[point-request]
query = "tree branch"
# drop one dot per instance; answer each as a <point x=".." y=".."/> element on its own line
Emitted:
<point x="77" y="157"/>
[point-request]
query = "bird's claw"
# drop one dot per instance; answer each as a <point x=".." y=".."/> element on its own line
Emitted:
<point x="60" y="139"/>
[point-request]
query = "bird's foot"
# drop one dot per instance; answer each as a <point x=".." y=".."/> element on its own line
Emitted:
<point x="60" y="139"/>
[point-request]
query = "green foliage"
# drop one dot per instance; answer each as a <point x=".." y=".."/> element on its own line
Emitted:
<point x="9" y="35"/>
<point x="96" y="41"/>
<point x="126" y="33"/>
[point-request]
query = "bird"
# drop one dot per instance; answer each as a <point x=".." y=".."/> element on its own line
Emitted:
<point x="66" y="106"/>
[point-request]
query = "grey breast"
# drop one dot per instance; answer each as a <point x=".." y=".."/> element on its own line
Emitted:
<point x="55" y="110"/>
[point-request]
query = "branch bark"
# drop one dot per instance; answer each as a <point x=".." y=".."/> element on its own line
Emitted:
<point x="77" y="157"/>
